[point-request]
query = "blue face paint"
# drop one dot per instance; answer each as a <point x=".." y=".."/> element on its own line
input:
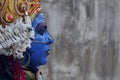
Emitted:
<point x="39" y="49"/>
<point x="40" y="44"/>
<point x="38" y="19"/>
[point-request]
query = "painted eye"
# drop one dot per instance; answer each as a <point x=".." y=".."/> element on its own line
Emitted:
<point x="40" y="28"/>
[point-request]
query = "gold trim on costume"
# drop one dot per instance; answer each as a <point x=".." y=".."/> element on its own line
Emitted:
<point x="31" y="75"/>
<point x="38" y="74"/>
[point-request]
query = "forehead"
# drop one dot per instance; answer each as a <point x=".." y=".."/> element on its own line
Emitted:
<point x="38" y="19"/>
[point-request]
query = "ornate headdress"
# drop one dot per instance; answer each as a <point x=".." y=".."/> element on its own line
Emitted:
<point x="15" y="25"/>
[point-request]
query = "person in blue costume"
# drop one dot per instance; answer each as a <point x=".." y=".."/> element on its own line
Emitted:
<point x="16" y="34"/>
<point x="37" y="54"/>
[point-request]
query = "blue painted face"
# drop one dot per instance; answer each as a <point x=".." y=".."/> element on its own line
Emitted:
<point x="41" y="44"/>
<point x="39" y="49"/>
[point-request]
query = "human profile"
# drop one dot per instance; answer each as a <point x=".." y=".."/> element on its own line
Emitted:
<point x="23" y="36"/>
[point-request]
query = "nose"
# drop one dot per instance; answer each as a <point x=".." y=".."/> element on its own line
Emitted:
<point x="49" y="38"/>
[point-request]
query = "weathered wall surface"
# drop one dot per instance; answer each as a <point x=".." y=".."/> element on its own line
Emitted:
<point x="87" y="39"/>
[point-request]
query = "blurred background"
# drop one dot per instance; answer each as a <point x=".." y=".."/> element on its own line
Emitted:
<point x="86" y="39"/>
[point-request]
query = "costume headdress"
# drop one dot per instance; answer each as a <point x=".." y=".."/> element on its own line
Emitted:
<point x="15" y="25"/>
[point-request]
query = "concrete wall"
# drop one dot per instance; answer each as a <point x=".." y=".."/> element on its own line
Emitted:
<point x="87" y="39"/>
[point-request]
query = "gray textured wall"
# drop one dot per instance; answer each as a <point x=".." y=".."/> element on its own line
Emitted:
<point x="87" y="39"/>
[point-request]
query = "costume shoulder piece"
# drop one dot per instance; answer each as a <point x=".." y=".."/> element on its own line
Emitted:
<point x="15" y="25"/>
<point x="10" y="10"/>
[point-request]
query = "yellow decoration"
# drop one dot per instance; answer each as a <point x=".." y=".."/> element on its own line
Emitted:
<point x="30" y="74"/>
<point x="10" y="10"/>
